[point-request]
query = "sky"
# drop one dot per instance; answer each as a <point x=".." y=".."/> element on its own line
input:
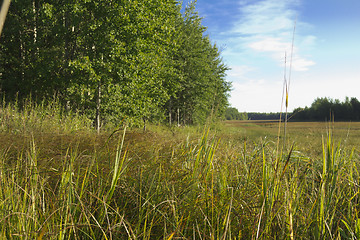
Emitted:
<point x="256" y="38"/>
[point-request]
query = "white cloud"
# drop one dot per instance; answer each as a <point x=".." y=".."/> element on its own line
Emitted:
<point x="239" y="71"/>
<point x="257" y="95"/>
<point x="278" y="48"/>
<point x="266" y="16"/>
<point x="267" y="27"/>
<point x="270" y="44"/>
<point x="301" y="64"/>
<point x="309" y="40"/>
<point x="255" y="47"/>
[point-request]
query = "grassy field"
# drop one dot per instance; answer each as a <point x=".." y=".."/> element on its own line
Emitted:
<point x="306" y="135"/>
<point x="59" y="179"/>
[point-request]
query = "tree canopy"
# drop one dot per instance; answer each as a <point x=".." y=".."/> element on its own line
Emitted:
<point x="232" y="113"/>
<point x="140" y="60"/>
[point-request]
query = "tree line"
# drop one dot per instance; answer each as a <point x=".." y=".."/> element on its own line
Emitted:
<point x="139" y="60"/>
<point x="232" y="113"/>
<point x="327" y="109"/>
<point x="322" y="109"/>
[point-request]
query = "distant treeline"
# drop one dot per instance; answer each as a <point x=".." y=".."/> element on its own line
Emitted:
<point x="329" y="109"/>
<point x="233" y="114"/>
<point x="265" y="116"/>
<point x="322" y="109"/>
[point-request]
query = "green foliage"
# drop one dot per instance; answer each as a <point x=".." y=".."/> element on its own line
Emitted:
<point x="232" y="113"/>
<point x="189" y="183"/>
<point x="47" y="116"/>
<point x="134" y="60"/>
<point x="265" y="116"/>
<point x="203" y="90"/>
<point x="326" y="109"/>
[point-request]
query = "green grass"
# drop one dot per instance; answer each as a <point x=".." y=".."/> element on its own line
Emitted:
<point x="59" y="179"/>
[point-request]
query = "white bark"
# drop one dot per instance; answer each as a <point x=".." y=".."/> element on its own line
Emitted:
<point x="4" y="10"/>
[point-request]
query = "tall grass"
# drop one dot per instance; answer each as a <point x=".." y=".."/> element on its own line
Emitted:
<point x="179" y="185"/>
<point x="47" y="116"/>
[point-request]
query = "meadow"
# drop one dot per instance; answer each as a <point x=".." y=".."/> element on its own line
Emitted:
<point x="59" y="179"/>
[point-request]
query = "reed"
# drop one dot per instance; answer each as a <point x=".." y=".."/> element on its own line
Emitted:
<point x="183" y="184"/>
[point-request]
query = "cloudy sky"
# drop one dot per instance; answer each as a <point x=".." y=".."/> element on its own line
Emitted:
<point x="256" y="35"/>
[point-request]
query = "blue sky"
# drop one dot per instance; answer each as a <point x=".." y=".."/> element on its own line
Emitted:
<point x="255" y="35"/>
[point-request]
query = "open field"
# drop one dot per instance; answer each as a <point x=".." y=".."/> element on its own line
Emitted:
<point x="306" y="135"/>
<point x="233" y="180"/>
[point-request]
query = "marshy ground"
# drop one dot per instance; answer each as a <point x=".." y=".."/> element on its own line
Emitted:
<point x="231" y="180"/>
